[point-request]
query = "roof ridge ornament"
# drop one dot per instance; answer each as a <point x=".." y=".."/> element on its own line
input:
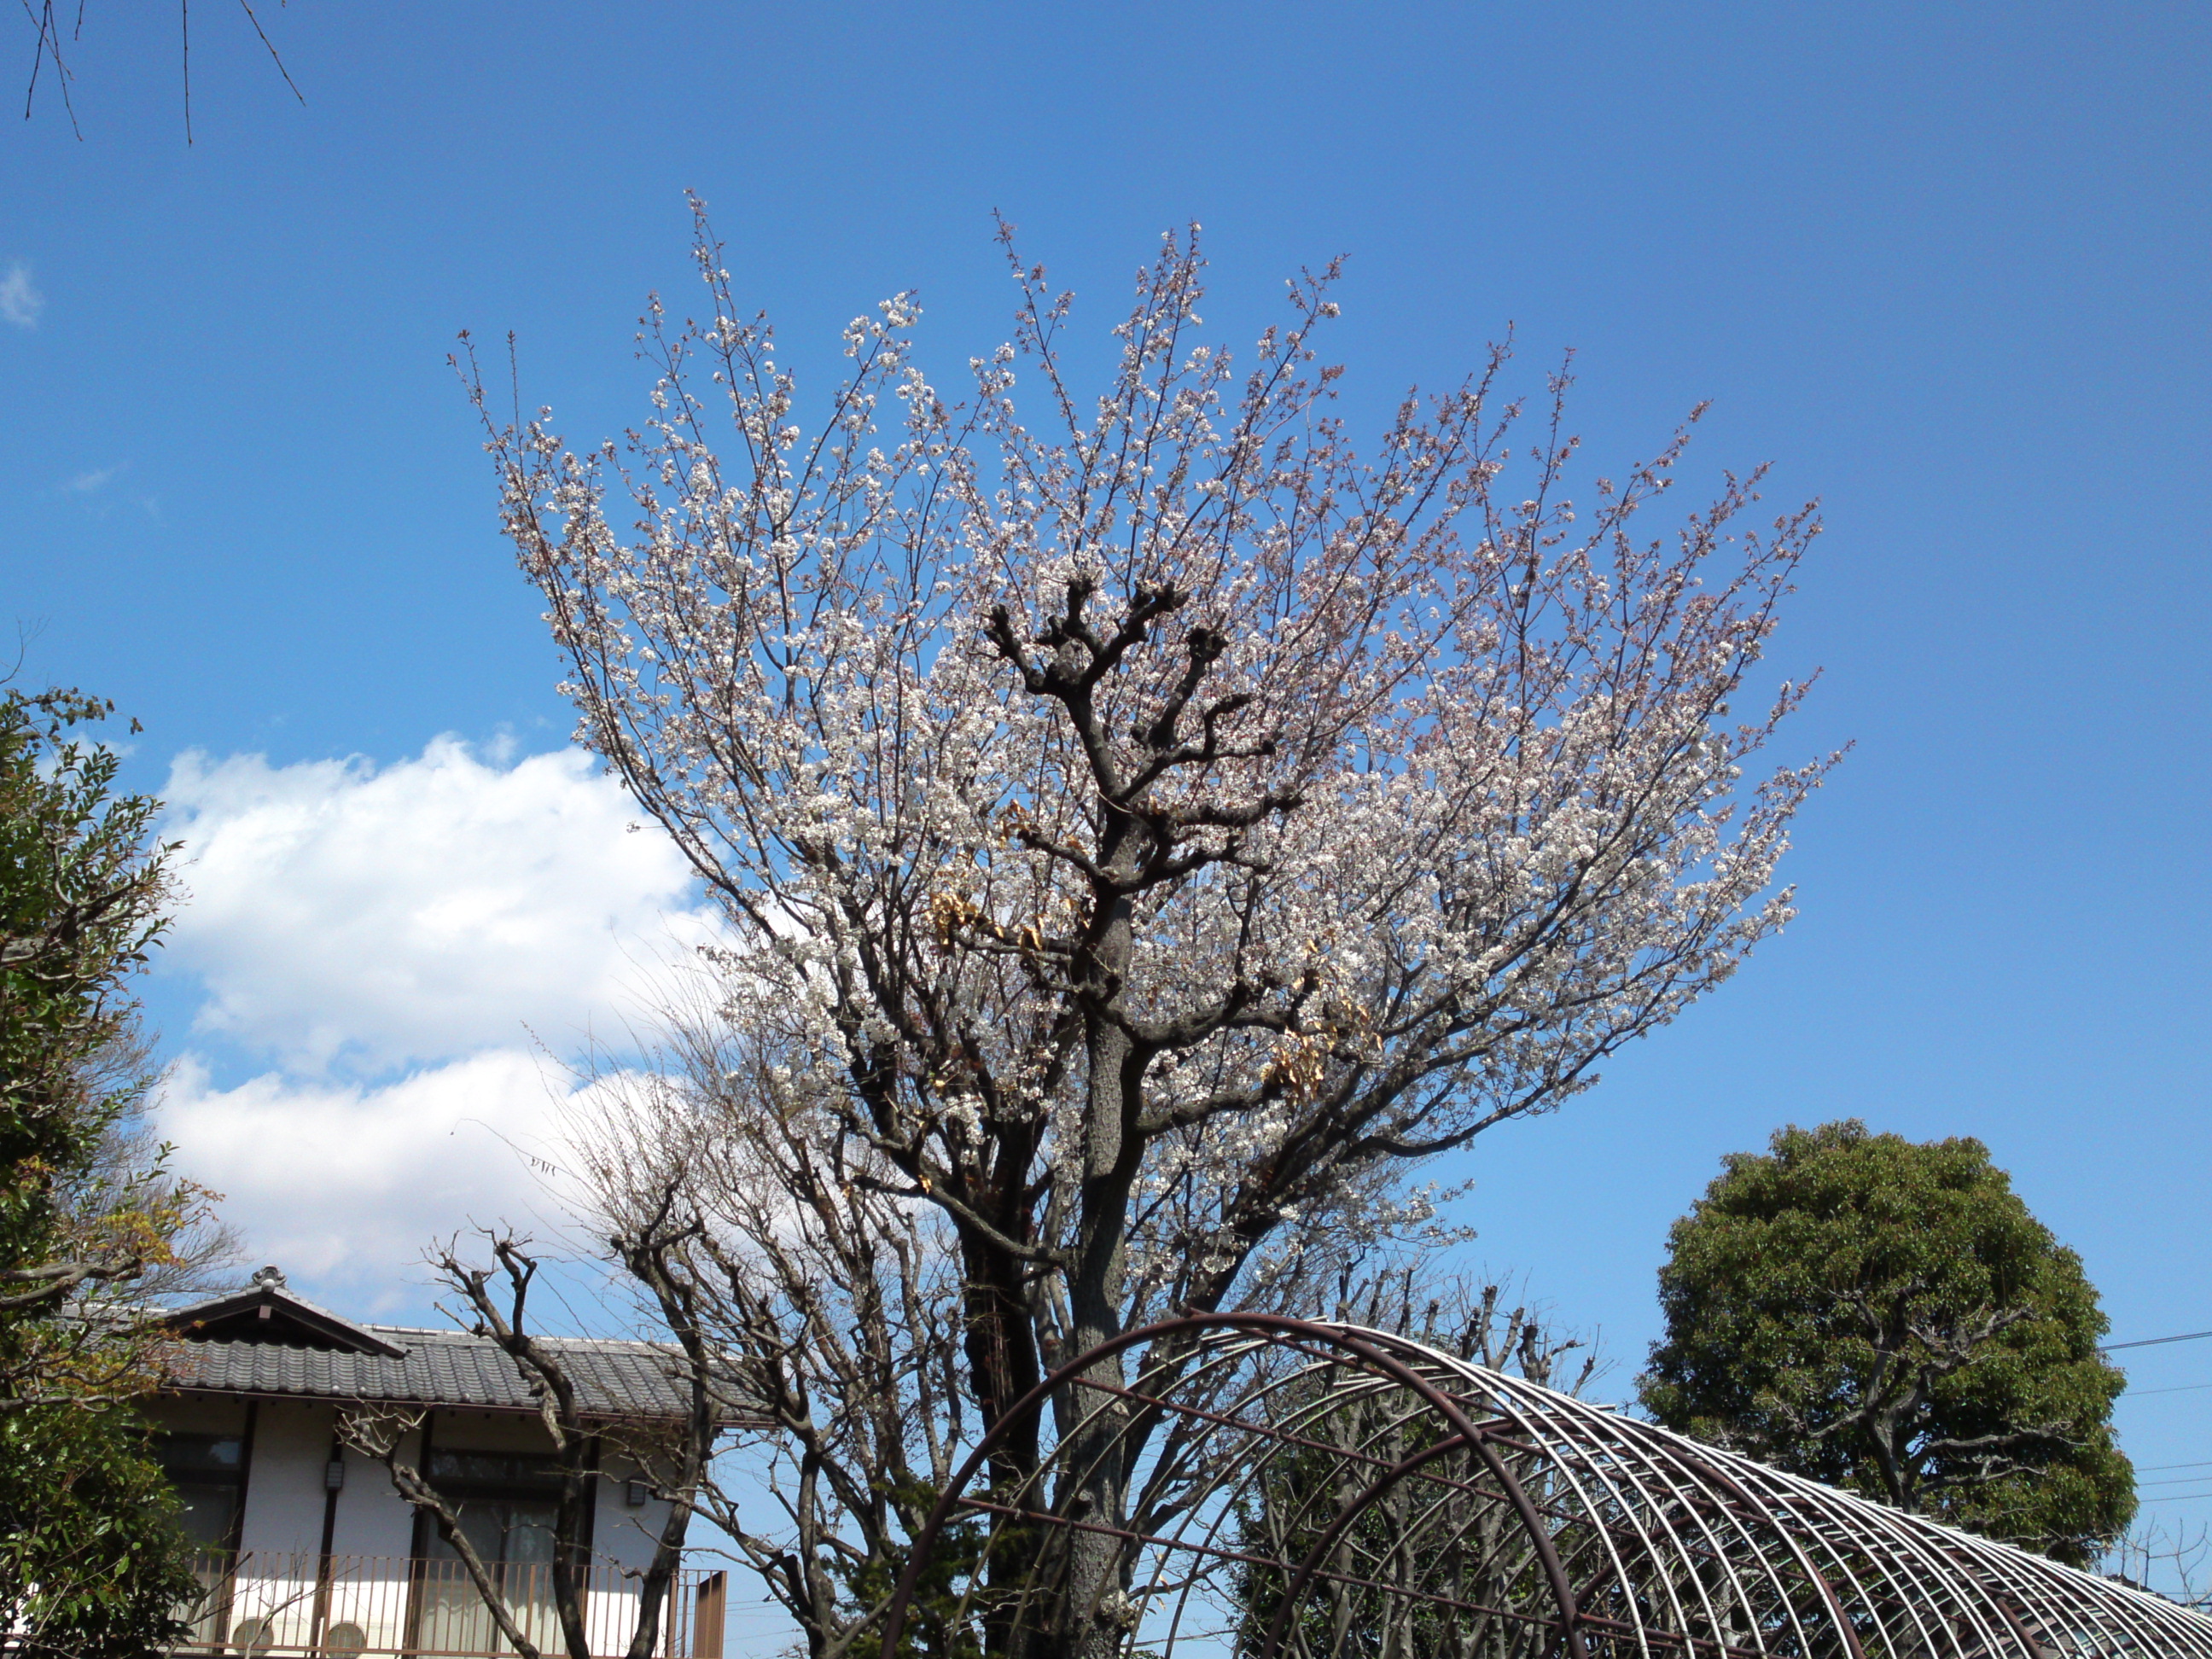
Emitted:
<point x="268" y="1310"/>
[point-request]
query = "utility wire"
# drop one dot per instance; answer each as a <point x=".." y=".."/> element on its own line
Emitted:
<point x="2154" y="1341"/>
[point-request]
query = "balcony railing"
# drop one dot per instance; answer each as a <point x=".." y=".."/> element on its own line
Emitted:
<point x="345" y="1605"/>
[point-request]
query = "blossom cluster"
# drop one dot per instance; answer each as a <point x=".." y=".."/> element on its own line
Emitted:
<point x="1152" y="827"/>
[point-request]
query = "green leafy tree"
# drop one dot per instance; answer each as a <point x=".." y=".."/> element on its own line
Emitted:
<point x="1887" y="1316"/>
<point x="90" y="1560"/>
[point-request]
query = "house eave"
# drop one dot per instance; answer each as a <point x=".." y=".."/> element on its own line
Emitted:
<point x="489" y="1408"/>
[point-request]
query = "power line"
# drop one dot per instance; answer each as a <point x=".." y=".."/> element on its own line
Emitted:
<point x="2154" y="1341"/>
<point x="2160" y="1468"/>
<point x="2182" y="1387"/>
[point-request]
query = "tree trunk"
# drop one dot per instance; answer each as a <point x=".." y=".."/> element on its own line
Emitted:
<point x="1096" y="1492"/>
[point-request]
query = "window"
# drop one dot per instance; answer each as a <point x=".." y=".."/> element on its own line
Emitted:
<point x="503" y="1531"/>
<point x="505" y="1502"/>
<point x="209" y="1472"/>
<point x="463" y="1472"/>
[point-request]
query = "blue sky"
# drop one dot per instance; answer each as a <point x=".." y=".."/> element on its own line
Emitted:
<point x="1944" y="267"/>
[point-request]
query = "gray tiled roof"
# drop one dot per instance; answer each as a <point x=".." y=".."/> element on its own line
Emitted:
<point x="446" y="1368"/>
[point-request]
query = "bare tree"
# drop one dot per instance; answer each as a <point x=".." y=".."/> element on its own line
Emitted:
<point x="678" y="1454"/>
<point x="1479" y="1325"/>
<point x="51" y="22"/>
<point x="1150" y="832"/>
<point x="822" y="1312"/>
<point x="2170" y="1559"/>
<point x="829" y="1315"/>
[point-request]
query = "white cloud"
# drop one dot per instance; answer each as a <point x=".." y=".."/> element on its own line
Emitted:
<point x="86" y="483"/>
<point x="341" y="914"/>
<point x="19" y="303"/>
<point x="342" y="1186"/>
<point x="391" y="938"/>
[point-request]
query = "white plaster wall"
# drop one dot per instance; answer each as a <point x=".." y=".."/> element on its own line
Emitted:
<point x="621" y="1534"/>
<point x="284" y="1480"/>
<point x="284" y="1501"/>
<point x="622" y="1537"/>
<point x="292" y="1445"/>
<point x="622" y="1540"/>
<point x="372" y="1519"/>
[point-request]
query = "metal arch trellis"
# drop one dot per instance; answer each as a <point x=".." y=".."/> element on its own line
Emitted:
<point x="1284" y="1487"/>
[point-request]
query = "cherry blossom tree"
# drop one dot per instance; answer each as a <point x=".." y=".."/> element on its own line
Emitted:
<point x="1151" y="828"/>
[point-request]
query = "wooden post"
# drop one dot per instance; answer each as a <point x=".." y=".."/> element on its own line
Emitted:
<point x="707" y="1602"/>
<point x="330" y="1530"/>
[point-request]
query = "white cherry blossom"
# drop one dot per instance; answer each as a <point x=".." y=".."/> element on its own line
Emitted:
<point x="1154" y="828"/>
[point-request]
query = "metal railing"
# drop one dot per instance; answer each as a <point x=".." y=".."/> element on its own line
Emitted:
<point x="347" y="1606"/>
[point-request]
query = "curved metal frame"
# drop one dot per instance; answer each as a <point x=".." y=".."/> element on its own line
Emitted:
<point x="1681" y="1549"/>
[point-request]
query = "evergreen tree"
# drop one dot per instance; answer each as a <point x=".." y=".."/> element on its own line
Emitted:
<point x="1887" y="1316"/>
<point x="91" y="1561"/>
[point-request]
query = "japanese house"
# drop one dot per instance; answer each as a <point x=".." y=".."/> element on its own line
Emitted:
<point x="305" y="1547"/>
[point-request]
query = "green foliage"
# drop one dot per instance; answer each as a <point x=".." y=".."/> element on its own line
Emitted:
<point x="1887" y="1316"/>
<point x="1419" y="1536"/>
<point x="1442" y="1534"/>
<point x="80" y="903"/>
<point x="941" y="1619"/>
<point x="90" y="1561"/>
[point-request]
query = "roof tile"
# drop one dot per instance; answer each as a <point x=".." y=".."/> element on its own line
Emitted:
<point x="613" y="1379"/>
